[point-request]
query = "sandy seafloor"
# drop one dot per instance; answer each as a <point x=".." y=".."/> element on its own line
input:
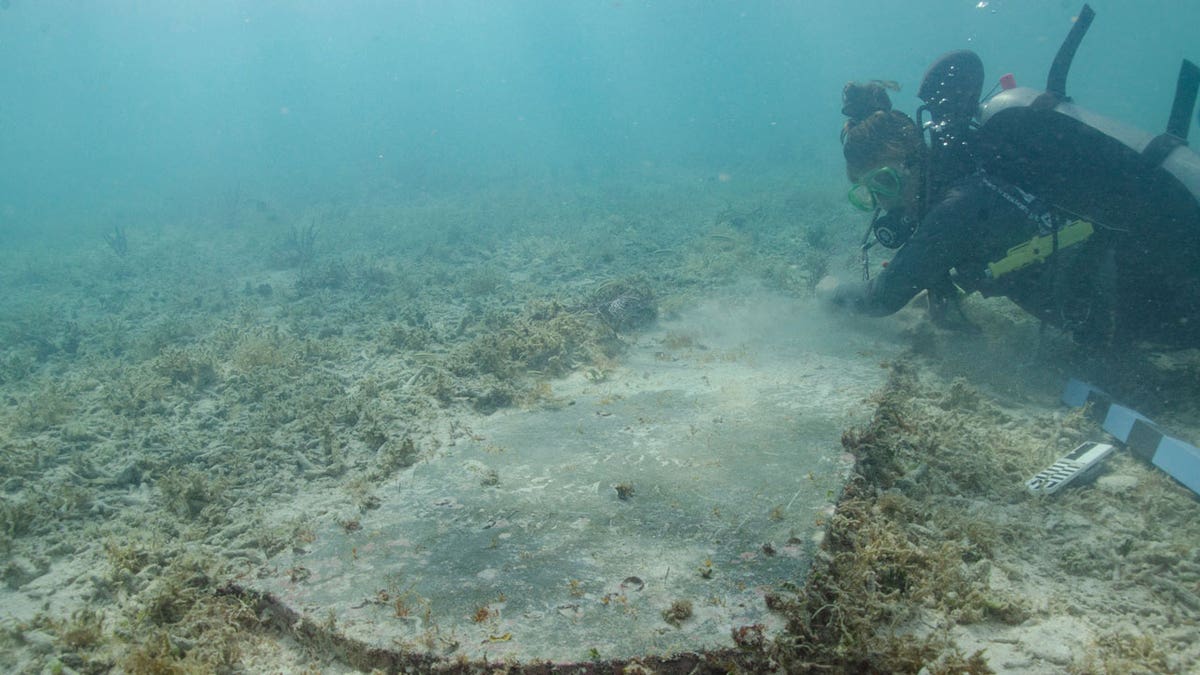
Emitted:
<point x="173" y="416"/>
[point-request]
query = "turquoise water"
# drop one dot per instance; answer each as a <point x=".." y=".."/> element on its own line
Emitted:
<point x="262" y="264"/>
<point x="113" y="104"/>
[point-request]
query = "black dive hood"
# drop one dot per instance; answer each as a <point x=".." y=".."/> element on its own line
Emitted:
<point x="1089" y="164"/>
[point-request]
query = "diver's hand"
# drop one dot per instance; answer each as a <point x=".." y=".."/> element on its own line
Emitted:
<point x="946" y="310"/>
<point x="836" y="294"/>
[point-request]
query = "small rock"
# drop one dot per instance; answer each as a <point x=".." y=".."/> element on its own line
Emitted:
<point x="1052" y="652"/>
<point x="39" y="642"/>
<point x="1117" y="483"/>
<point x="20" y="571"/>
<point x="624" y="491"/>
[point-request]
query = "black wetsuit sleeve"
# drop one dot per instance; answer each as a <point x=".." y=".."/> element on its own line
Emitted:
<point x="923" y="262"/>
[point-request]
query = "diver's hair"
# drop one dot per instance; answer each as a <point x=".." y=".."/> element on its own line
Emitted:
<point x="861" y="99"/>
<point x="885" y="137"/>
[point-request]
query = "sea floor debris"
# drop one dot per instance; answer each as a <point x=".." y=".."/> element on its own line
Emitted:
<point x="175" y="418"/>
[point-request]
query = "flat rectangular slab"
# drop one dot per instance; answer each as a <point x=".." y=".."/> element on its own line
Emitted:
<point x="694" y="476"/>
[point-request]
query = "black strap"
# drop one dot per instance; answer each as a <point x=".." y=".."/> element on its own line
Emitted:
<point x="1056" y="82"/>
<point x="1185" y="100"/>
<point x="1029" y="204"/>
<point x="1157" y="150"/>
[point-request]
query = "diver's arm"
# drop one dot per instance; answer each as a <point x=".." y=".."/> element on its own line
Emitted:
<point x="865" y="297"/>
<point x="921" y="263"/>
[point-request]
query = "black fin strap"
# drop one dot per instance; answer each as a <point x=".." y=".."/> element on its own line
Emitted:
<point x="1185" y="99"/>
<point x="1157" y="150"/>
<point x="1056" y="82"/>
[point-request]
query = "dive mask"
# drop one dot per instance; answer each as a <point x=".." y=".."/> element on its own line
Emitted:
<point x="883" y="182"/>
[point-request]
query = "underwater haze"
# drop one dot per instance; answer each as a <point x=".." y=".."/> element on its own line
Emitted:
<point x="340" y="335"/>
<point x="121" y="102"/>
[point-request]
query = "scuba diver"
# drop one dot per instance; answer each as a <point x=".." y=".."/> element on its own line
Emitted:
<point x="1083" y="224"/>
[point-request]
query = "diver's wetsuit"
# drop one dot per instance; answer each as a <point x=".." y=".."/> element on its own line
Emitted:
<point x="1107" y="288"/>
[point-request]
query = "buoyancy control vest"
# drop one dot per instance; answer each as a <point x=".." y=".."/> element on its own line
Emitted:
<point x="1141" y="190"/>
<point x="1090" y="165"/>
<point x="1086" y="164"/>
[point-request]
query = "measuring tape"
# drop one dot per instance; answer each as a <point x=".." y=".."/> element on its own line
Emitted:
<point x="1145" y="439"/>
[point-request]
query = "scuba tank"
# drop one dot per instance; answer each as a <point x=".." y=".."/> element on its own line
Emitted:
<point x="1091" y="165"/>
<point x="1141" y="192"/>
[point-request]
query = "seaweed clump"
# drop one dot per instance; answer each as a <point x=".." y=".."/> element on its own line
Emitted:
<point x="547" y="338"/>
<point x="509" y="362"/>
<point x="891" y="552"/>
<point x="678" y="612"/>
<point x="186" y="625"/>
<point x="192" y="493"/>
<point x="624" y="304"/>
<point x="195" y="367"/>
